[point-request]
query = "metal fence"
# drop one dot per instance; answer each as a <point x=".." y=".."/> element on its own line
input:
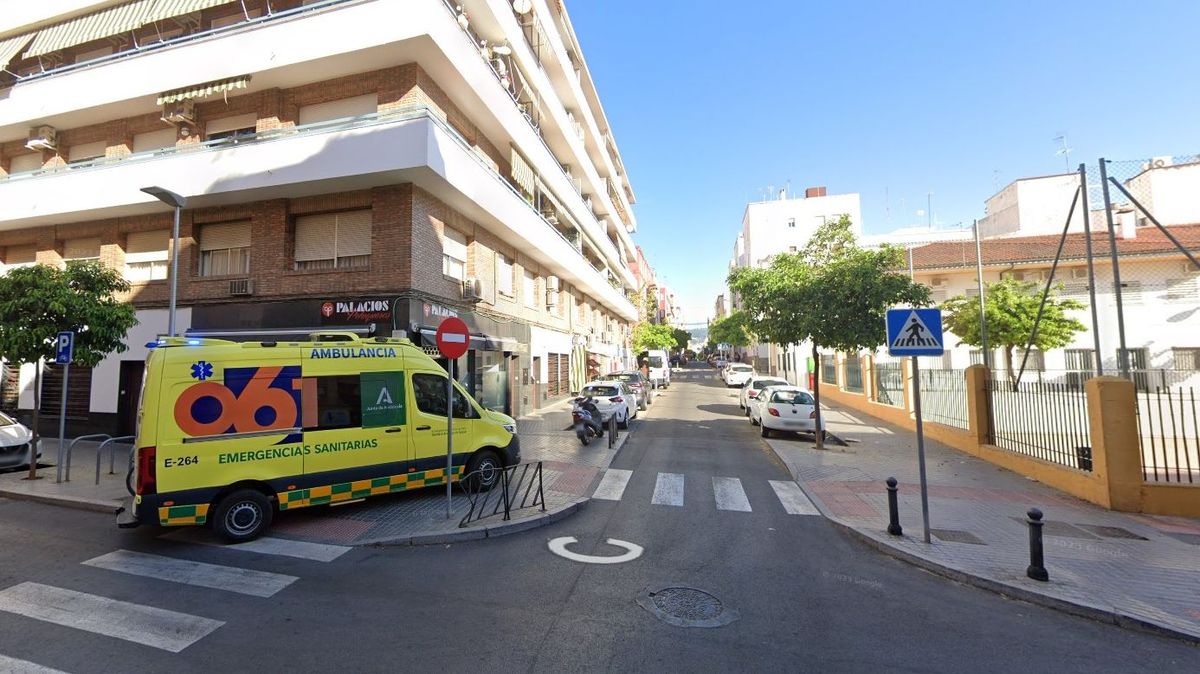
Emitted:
<point x="1046" y="420"/>
<point x="1168" y="426"/>
<point x="889" y="384"/>
<point x="854" y="376"/>
<point x="828" y="369"/>
<point x="944" y="397"/>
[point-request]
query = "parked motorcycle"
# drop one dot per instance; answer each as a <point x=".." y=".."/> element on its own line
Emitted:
<point x="586" y="420"/>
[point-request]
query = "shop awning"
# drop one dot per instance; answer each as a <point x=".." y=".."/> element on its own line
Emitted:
<point x="479" y="342"/>
<point x="206" y="89"/>
<point x="10" y="46"/>
<point x="165" y="9"/>
<point x="112" y="21"/>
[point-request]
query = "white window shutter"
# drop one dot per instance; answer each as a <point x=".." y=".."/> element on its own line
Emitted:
<point x="315" y="235"/>
<point x="454" y="244"/>
<point x="353" y="233"/>
<point x="81" y="249"/>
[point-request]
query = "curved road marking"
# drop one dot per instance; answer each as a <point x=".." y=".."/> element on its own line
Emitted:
<point x="559" y="547"/>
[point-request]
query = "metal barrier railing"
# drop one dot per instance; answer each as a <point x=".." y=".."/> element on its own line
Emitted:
<point x="64" y="458"/>
<point x="513" y="490"/>
<point x="111" y="453"/>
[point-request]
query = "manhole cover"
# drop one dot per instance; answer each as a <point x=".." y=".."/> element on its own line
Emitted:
<point x="686" y="607"/>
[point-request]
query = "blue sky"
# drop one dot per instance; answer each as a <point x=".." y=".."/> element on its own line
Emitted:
<point x="711" y="102"/>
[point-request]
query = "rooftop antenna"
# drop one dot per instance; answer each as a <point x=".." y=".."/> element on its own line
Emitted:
<point x="1064" y="151"/>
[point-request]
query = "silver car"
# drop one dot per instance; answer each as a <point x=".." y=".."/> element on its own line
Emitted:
<point x="14" y="443"/>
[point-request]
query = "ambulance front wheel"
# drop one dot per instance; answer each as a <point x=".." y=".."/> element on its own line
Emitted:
<point x="243" y="515"/>
<point x="483" y="470"/>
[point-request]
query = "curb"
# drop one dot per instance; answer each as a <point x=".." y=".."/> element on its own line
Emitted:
<point x="63" y="501"/>
<point x="1109" y="616"/>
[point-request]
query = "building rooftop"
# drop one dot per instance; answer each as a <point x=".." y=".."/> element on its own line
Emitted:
<point x="1031" y="249"/>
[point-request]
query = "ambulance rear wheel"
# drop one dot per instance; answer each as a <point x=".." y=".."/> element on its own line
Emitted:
<point x="483" y="471"/>
<point x="243" y="515"/>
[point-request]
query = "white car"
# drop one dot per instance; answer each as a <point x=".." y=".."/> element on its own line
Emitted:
<point x="612" y="398"/>
<point x="737" y="374"/>
<point x="14" y="443"/>
<point x="753" y="386"/>
<point x="789" y="409"/>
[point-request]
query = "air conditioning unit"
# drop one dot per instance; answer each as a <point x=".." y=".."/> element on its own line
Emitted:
<point x="552" y="283"/>
<point x="472" y="289"/>
<point x="242" y="286"/>
<point x="551" y="298"/>
<point x="1079" y="272"/>
<point x="1190" y="268"/>
<point x="42" y="138"/>
<point x="179" y="112"/>
<point x="938" y="282"/>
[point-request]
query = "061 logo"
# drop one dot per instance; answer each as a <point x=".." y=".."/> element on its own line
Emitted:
<point x="251" y="399"/>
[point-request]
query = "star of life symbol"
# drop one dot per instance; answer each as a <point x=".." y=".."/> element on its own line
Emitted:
<point x="202" y="370"/>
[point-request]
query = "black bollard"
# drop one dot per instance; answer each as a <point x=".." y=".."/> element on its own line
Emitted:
<point x="893" y="508"/>
<point x="1037" y="565"/>
<point x="612" y="431"/>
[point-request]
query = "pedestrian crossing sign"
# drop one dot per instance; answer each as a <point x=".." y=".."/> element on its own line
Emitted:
<point x="914" y="332"/>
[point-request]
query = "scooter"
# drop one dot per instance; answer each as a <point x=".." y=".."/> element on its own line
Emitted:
<point x="583" y="414"/>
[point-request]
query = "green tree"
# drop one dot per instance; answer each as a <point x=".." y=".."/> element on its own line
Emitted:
<point x="833" y="294"/>
<point x="652" y="336"/>
<point x="731" y="330"/>
<point x="40" y="301"/>
<point x="682" y="337"/>
<point x="1010" y="311"/>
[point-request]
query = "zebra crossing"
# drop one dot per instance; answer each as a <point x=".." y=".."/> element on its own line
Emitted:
<point x="729" y="493"/>
<point x="153" y="626"/>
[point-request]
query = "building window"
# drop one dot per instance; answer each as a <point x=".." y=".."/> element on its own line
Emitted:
<point x="154" y="140"/>
<point x="81" y="249"/>
<point x="225" y="248"/>
<point x="333" y="240"/>
<point x="529" y="288"/>
<point x="339" y="402"/>
<point x="358" y="106"/>
<point x="1186" y="357"/>
<point x="146" y="255"/>
<point x="25" y="163"/>
<point x="504" y="275"/>
<point x="454" y="254"/>
<point x="231" y="129"/>
<point x="86" y="152"/>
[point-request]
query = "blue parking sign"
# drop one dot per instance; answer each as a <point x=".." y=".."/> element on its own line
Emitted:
<point x="914" y="332"/>
<point x="64" y="347"/>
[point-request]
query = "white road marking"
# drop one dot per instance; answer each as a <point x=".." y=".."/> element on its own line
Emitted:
<point x="14" y="666"/>
<point x="794" y="500"/>
<point x="228" y="578"/>
<point x="730" y="495"/>
<point x="559" y="547"/>
<point x="668" y="490"/>
<point x="319" y="552"/>
<point x="156" y="627"/>
<point x="612" y="485"/>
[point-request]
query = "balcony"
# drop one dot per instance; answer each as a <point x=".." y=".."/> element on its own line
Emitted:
<point x="333" y="156"/>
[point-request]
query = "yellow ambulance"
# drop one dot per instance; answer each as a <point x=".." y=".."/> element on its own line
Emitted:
<point x="229" y="432"/>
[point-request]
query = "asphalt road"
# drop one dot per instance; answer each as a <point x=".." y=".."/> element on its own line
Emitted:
<point x="805" y="597"/>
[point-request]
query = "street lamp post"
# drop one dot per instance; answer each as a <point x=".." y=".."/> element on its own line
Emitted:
<point x="177" y="202"/>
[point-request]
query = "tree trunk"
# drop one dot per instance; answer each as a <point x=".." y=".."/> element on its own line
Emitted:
<point x="1008" y="364"/>
<point x="35" y="436"/>
<point x="817" y="395"/>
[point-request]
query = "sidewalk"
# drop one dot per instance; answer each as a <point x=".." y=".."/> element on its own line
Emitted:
<point x="1128" y="569"/>
<point x="569" y="471"/>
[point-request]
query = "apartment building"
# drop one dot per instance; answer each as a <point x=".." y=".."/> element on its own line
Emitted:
<point x="784" y="225"/>
<point x="363" y="165"/>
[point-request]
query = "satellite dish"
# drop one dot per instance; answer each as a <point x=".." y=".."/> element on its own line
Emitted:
<point x="522" y="6"/>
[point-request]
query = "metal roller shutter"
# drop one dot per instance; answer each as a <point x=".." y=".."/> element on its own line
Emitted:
<point x="222" y="235"/>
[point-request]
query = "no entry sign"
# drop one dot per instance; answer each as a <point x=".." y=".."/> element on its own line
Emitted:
<point x="453" y="337"/>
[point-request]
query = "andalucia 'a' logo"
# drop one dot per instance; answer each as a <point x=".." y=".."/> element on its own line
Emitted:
<point x="385" y="398"/>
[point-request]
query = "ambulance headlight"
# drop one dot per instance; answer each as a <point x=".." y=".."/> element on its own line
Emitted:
<point x="511" y="428"/>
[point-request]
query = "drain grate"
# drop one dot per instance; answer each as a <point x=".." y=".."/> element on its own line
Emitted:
<point x="683" y="606"/>
<point x="956" y="536"/>
<point x="1111" y="532"/>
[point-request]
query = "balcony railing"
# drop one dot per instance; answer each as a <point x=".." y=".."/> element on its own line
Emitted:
<point x="387" y="117"/>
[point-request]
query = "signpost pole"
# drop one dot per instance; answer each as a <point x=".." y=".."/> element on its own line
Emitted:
<point x="64" y="353"/>
<point x="449" y="430"/>
<point x="916" y="368"/>
<point x="62" y="426"/>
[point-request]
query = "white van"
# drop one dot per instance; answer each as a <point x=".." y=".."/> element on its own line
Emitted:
<point x="660" y="367"/>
